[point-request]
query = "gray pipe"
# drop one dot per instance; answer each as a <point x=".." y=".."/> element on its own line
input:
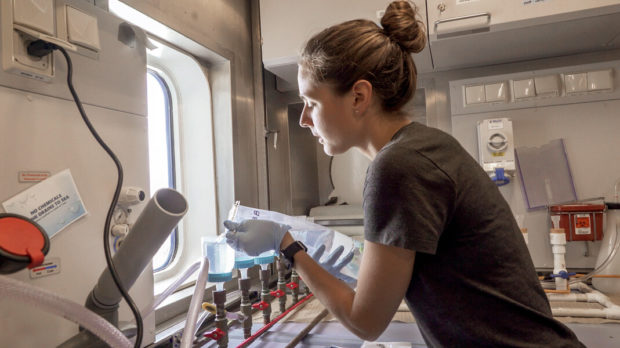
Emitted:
<point x="161" y="214"/>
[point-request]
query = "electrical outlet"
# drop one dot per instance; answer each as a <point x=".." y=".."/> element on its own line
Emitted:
<point x="15" y="40"/>
<point x="496" y="145"/>
<point x="20" y="55"/>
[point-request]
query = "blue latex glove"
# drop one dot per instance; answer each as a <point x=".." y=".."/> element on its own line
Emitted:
<point x="330" y="264"/>
<point x="254" y="237"/>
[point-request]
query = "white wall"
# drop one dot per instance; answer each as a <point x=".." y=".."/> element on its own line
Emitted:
<point x="590" y="130"/>
<point x="41" y="129"/>
<point x="45" y="133"/>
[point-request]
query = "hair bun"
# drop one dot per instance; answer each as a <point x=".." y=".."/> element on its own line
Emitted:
<point x="400" y="24"/>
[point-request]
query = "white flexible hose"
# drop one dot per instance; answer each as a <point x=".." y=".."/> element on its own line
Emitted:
<point x="170" y="289"/>
<point x="195" y="305"/>
<point x="201" y="319"/>
<point x="604" y="264"/>
<point x="53" y="303"/>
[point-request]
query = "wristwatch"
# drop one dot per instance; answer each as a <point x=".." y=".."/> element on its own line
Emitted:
<point x="290" y="251"/>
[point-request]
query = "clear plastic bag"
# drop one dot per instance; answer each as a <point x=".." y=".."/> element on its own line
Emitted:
<point x="311" y="234"/>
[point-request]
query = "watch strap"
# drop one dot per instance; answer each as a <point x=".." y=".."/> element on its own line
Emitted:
<point x="293" y="248"/>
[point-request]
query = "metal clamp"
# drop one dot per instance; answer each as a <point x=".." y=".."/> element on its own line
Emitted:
<point x="454" y="19"/>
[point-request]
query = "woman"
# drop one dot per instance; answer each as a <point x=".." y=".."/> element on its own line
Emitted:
<point x="437" y="231"/>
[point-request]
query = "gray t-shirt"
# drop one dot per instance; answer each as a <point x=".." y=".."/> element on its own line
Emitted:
<point x="473" y="282"/>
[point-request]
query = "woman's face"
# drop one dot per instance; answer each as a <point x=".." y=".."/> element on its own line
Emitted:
<point x="329" y="116"/>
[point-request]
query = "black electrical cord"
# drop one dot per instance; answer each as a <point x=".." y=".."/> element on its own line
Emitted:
<point x="106" y="231"/>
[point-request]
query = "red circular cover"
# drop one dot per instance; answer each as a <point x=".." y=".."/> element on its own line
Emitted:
<point x="17" y="236"/>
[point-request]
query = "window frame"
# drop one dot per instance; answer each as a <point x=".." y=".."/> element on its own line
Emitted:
<point x="187" y="80"/>
<point x="165" y="84"/>
<point x="221" y="85"/>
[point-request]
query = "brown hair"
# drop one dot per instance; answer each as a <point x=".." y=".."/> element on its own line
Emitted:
<point x="359" y="49"/>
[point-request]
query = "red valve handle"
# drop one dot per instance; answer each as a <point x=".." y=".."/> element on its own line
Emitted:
<point x="292" y="285"/>
<point x="277" y="293"/>
<point x="215" y="334"/>
<point x="262" y="305"/>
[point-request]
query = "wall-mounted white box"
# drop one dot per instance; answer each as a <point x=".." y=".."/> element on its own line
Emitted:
<point x="82" y="29"/>
<point x="548" y="85"/>
<point x="35" y="14"/>
<point x="523" y="89"/>
<point x="496" y="145"/>
<point x="576" y="83"/>
<point x="475" y="94"/>
<point x="600" y="80"/>
<point x="495" y="92"/>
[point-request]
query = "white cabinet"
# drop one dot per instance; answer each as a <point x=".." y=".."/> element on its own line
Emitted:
<point x="462" y="33"/>
<point x="467" y="33"/>
<point x="287" y="25"/>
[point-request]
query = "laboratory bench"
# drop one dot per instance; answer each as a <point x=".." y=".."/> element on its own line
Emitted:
<point x="334" y="334"/>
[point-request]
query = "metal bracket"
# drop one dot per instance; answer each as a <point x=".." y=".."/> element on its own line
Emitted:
<point x="275" y="137"/>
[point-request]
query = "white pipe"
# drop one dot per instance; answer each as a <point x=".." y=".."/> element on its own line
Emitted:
<point x="585" y="295"/>
<point x="558" y="246"/>
<point x="53" y="303"/>
<point x="611" y="310"/>
<point x="195" y="305"/>
<point x="572" y="297"/>
<point x="170" y="289"/>
<point x="606" y="313"/>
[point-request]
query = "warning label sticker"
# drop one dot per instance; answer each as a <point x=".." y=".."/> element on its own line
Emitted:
<point x="582" y="224"/>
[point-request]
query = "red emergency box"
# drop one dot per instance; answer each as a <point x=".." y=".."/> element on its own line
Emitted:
<point x="581" y="222"/>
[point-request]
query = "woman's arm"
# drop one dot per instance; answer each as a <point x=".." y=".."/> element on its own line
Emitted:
<point x="384" y="276"/>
